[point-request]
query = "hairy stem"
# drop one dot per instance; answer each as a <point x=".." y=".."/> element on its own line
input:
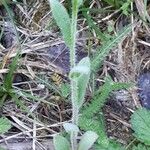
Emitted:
<point x="75" y="111"/>
<point x="74" y="94"/>
<point x="73" y="32"/>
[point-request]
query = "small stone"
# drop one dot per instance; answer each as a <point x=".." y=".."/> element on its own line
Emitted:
<point x="144" y="89"/>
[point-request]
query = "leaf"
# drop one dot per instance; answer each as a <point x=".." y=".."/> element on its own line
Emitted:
<point x="102" y="95"/>
<point x="80" y="2"/>
<point x="62" y="19"/>
<point x="113" y="145"/>
<point x="70" y="127"/>
<point x="87" y="140"/>
<point x="65" y="90"/>
<point x="61" y="143"/>
<point x="88" y="120"/>
<point x="96" y="126"/>
<point x="2" y="148"/>
<point x="114" y="3"/>
<point x="81" y="75"/>
<point x="93" y="26"/>
<point x="9" y="77"/>
<point x="105" y="49"/>
<point x="140" y="121"/>
<point x="4" y="125"/>
<point x="140" y="147"/>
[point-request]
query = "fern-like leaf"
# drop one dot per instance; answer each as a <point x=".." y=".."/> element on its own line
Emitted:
<point x="105" y="49"/>
<point x="140" y="147"/>
<point x="95" y="125"/>
<point x="4" y="125"/>
<point x="140" y="121"/>
<point x="88" y="121"/>
<point x="113" y="145"/>
<point x="101" y="96"/>
<point x="93" y="26"/>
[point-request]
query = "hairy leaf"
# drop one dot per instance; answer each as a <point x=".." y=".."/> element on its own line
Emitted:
<point x="93" y="26"/>
<point x="87" y="140"/>
<point x="140" y="121"/>
<point x="69" y="127"/>
<point x="81" y="75"/>
<point x="62" y="19"/>
<point x="61" y="143"/>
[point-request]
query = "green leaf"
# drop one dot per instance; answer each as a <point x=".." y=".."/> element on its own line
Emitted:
<point x="80" y="2"/>
<point x="65" y="89"/>
<point x="70" y="127"/>
<point x="93" y="26"/>
<point x="9" y="77"/>
<point x="81" y="74"/>
<point x="103" y="51"/>
<point x="4" y="125"/>
<point x="102" y="95"/>
<point x="62" y="19"/>
<point x="87" y="140"/>
<point x="61" y="143"/>
<point x="113" y="145"/>
<point x="125" y="7"/>
<point x="140" y="147"/>
<point x="114" y="3"/>
<point x="88" y="120"/>
<point x="2" y="148"/>
<point x="140" y="121"/>
<point x="96" y="126"/>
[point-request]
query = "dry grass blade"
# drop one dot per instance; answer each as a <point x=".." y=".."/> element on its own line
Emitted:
<point x="140" y="7"/>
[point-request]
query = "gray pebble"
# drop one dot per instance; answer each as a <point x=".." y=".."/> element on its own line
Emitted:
<point x="144" y="89"/>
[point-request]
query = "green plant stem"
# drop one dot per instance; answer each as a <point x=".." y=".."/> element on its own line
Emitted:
<point x="73" y="136"/>
<point x="75" y="111"/>
<point x="75" y="108"/>
<point x="3" y="100"/>
<point x="73" y="32"/>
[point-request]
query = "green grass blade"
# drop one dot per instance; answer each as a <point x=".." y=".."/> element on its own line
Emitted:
<point x="13" y="66"/>
<point x="8" y="79"/>
<point x="1" y="33"/>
